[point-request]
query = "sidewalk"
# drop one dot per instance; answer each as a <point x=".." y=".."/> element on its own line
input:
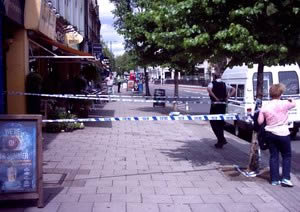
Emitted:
<point x="153" y="166"/>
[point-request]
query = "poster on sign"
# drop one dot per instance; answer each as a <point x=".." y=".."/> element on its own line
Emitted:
<point x="21" y="157"/>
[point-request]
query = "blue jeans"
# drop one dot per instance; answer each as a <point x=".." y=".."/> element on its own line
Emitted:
<point x="280" y="144"/>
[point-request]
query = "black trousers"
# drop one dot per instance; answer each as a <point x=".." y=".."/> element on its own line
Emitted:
<point x="119" y="87"/>
<point x="218" y="126"/>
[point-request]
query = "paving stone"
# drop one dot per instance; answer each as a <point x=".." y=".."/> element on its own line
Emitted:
<point x="146" y="198"/>
<point x="126" y="182"/>
<point x="239" y="207"/>
<point x="196" y="191"/>
<point x="62" y="198"/>
<point x="216" y="198"/>
<point x="168" y="190"/>
<point x="50" y="207"/>
<point x="153" y="183"/>
<point x="246" y="198"/>
<point x="111" y="190"/>
<point x="94" y="198"/>
<point x="109" y="207"/>
<point x="174" y="208"/>
<point x="207" y="207"/>
<point x="82" y="207"/>
<point x="187" y="199"/>
<point x="262" y="207"/>
<point x="138" y="207"/>
<point x="226" y="190"/>
<point x="133" y="198"/>
<point x="180" y="184"/>
<point x="83" y="190"/>
<point x="139" y="190"/>
<point x="205" y="184"/>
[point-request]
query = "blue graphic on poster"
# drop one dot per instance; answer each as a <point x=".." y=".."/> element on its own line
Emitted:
<point x="17" y="156"/>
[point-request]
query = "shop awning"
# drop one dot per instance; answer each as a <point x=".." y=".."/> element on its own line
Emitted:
<point x="70" y="52"/>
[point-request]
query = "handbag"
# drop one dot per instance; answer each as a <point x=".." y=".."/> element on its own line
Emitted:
<point x="261" y="132"/>
<point x="262" y="138"/>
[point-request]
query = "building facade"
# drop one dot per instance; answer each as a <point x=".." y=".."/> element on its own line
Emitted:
<point x="43" y="36"/>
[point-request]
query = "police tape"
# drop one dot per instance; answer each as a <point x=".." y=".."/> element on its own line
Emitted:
<point x="132" y="96"/>
<point x="91" y="96"/>
<point x="214" y="117"/>
<point x="155" y="100"/>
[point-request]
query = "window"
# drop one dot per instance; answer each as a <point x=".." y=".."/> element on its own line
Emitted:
<point x="290" y="80"/>
<point x="240" y="92"/>
<point x="268" y="81"/>
<point x="234" y="86"/>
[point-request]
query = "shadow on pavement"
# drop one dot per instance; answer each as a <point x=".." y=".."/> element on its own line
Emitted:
<point x="18" y="205"/>
<point x="202" y="152"/>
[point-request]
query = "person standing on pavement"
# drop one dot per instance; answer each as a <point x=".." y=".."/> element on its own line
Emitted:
<point x="119" y="84"/>
<point x="219" y="92"/>
<point x="110" y="83"/>
<point x="275" y="113"/>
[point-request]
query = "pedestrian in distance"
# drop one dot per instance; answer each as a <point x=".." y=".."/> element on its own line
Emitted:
<point x="119" y="85"/>
<point x="110" y="83"/>
<point x="275" y="114"/>
<point x="219" y="93"/>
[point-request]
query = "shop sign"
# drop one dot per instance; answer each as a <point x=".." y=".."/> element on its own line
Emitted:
<point x="73" y="38"/>
<point x="20" y="157"/>
<point x="14" y="9"/>
<point x="97" y="51"/>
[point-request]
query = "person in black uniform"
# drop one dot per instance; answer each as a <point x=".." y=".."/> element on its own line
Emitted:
<point x="219" y="92"/>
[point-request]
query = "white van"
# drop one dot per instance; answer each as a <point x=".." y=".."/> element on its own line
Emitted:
<point x="243" y="79"/>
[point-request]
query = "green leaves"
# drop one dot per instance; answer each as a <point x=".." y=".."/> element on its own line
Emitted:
<point x="244" y="31"/>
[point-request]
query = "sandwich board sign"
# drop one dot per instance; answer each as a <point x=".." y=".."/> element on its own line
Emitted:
<point x="21" y="175"/>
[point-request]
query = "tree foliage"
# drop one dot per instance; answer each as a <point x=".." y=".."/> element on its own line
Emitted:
<point x="125" y="63"/>
<point x="184" y="32"/>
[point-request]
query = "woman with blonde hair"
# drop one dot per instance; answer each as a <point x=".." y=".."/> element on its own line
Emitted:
<point x="275" y="113"/>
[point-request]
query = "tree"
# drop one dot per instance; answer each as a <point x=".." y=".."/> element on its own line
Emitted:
<point x="136" y="21"/>
<point x="125" y="63"/>
<point x="259" y="31"/>
<point x="263" y="32"/>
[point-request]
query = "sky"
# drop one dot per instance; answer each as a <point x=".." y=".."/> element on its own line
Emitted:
<point x="113" y="40"/>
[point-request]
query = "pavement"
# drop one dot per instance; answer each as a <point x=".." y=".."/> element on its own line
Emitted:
<point x="151" y="166"/>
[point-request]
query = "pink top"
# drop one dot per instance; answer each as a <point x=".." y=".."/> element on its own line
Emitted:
<point x="275" y="113"/>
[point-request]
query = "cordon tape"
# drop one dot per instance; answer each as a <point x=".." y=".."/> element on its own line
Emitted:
<point x="213" y="117"/>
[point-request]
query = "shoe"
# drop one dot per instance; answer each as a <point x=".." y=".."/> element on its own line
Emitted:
<point x="224" y="142"/>
<point x="286" y="183"/>
<point x="219" y="145"/>
<point x="275" y="183"/>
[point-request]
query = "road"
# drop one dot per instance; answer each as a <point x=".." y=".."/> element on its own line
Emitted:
<point x="204" y="107"/>
<point x="186" y="92"/>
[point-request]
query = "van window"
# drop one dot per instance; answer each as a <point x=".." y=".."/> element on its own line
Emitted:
<point x="268" y="81"/>
<point x="234" y="86"/>
<point x="290" y="80"/>
<point x="240" y="92"/>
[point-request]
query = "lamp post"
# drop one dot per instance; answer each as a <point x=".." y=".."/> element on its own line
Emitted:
<point x="110" y="45"/>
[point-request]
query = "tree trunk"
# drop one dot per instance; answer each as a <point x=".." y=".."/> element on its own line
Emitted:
<point x="254" y="157"/>
<point x="147" y="82"/>
<point x="175" y="89"/>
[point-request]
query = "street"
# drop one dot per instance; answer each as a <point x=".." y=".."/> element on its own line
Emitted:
<point x="194" y="91"/>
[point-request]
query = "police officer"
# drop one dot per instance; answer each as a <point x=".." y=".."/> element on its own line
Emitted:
<point x="219" y="92"/>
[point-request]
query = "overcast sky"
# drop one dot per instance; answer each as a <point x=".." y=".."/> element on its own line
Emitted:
<point x="110" y="36"/>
